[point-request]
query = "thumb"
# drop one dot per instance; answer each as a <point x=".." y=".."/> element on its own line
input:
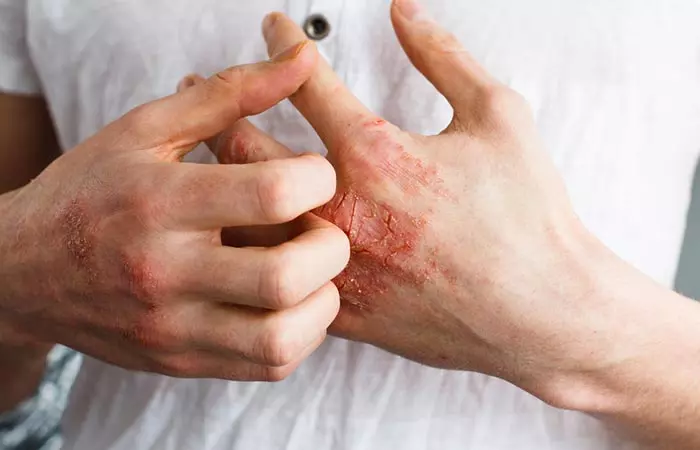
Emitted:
<point x="176" y="124"/>
<point x="438" y="55"/>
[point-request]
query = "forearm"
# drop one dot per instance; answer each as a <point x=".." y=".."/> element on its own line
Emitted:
<point x="22" y="363"/>
<point x="658" y="394"/>
<point x="22" y="359"/>
<point x="27" y="145"/>
<point x="21" y="371"/>
<point x="649" y="384"/>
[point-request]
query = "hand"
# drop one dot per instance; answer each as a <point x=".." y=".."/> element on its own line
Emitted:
<point x="464" y="245"/>
<point x="115" y="249"/>
<point x="229" y="147"/>
<point x="466" y="253"/>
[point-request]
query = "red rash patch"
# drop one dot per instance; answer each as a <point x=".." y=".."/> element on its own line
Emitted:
<point x="385" y="160"/>
<point x="141" y="278"/>
<point x="383" y="243"/>
<point x="387" y="248"/>
<point x="237" y="149"/>
<point x="77" y="237"/>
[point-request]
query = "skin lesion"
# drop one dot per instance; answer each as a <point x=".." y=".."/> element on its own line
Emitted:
<point x="236" y="148"/>
<point x="369" y="226"/>
<point x="388" y="245"/>
<point x="382" y="155"/>
<point x="77" y="236"/>
<point x="384" y="244"/>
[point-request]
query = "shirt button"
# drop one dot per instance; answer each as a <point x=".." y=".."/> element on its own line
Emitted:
<point x="317" y="27"/>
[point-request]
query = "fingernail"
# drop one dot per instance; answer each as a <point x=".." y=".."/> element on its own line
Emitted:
<point x="290" y="53"/>
<point x="185" y="83"/>
<point x="269" y="23"/>
<point x="412" y="10"/>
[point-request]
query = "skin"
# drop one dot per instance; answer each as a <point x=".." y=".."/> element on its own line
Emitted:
<point x="25" y="124"/>
<point x="128" y="241"/>
<point x="519" y="289"/>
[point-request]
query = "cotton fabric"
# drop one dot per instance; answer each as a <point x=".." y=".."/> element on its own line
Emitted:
<point x="615" y="88"/>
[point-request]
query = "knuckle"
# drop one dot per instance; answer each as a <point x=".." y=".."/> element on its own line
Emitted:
<point x="142" y="195"/>
<point x="274" y="347"/>
<point x="153" y="332"/>
<point x="178" y="366"/>
<point x="278" y="287"/>
<point x="234" y="148"/>
<point x="444" y="42"/>
<point x="502" y="101"/>
<point x="143" y="204"/>
<point x="275" y="374"/>
<point x="147" y="279"/>
<point x="229" y="80"/>
<point x="273" y="192"/>
<point x="498" y="109"/>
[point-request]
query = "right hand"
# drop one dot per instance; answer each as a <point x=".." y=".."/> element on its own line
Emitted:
<point x="115" y="249"/>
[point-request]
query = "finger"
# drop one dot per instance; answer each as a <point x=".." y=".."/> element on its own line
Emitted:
<point x="244" y="143"/>
<point x="206" y="196"/>
<point x="177" y="123"/>
<point x="262" y="235"/>
<point x="189" y="81"/>
<point x="241" y="143"/>
<point x="276" y="277"/>
<point x="270" y="338"/>
<point x="205" y="363"/>
<point x="324" y="100"/>
<point x="226" y="368"/>
<point x="438" y="54"/>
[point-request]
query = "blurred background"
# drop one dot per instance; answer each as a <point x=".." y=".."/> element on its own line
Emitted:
<point x="688" y="277"/>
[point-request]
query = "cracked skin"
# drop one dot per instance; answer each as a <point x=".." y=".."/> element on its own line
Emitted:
<point x="382" y="241"/>
<point x="387" y="244"/>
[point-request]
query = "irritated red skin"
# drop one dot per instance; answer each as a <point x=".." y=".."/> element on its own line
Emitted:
<point x="386" y="243"/>
<point x="78" y="237"/>
<point x="383" y="242"/>
<point x="236" y="148"/>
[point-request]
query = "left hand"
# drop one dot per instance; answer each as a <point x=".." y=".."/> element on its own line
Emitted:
<point x="466" y="252"/>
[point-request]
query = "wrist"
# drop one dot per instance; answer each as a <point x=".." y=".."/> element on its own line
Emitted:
<point x="21" y="372"/>
<point x="19" y="278"/>
<point x="16" y="343"/>
<point x="631" y="333"/>
<point x="22" y="365"/>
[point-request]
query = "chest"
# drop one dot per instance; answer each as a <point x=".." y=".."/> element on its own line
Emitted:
<point x="537" y="46"/>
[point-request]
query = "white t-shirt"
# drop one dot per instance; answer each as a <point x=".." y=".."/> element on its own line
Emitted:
<point x="615" y="86"/>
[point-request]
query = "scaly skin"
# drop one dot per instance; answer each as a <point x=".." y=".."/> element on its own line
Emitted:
<point x="466" y="252"/>
<point x="386" y="241"/>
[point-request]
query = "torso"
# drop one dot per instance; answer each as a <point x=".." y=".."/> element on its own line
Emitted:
<point x="615" y="86"/>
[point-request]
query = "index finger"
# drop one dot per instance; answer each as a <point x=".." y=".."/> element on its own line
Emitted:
<point x="178" y="122"/>
<point x="323" y="99"/>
